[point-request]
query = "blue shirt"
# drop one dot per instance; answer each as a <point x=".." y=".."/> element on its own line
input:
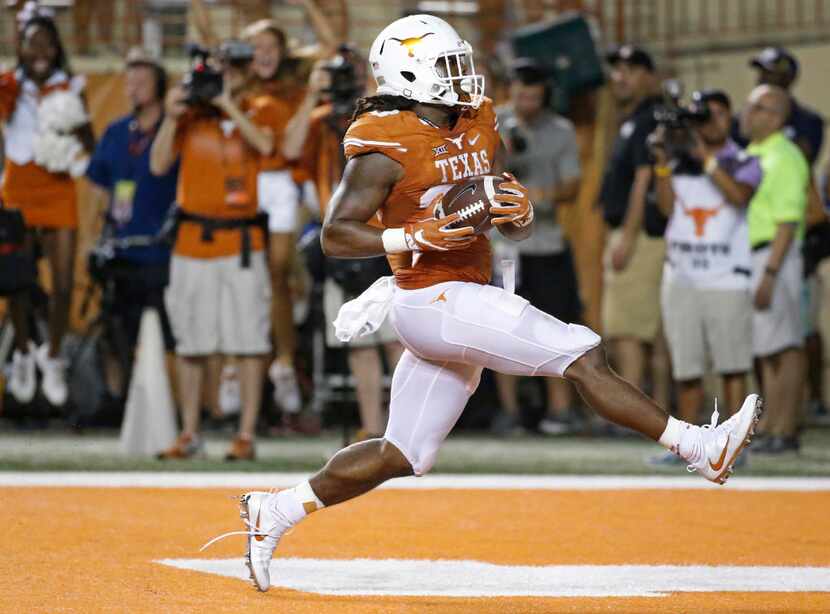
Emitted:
<point x="805" y="125"/>
<point x="123" y="156"/>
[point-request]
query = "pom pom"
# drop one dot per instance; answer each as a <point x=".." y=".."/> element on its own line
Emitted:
<point x="57" y="153"/>
<point x="61" y="111"/>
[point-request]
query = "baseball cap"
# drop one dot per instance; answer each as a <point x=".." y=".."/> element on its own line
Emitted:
<point x="631" y="54"/>
<point x="712" y="95"/>
<point x="775" y="59"/>
<point x="528" y="70"/>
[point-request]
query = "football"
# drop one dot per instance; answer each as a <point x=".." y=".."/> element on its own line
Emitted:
<point x="472" y="200"/>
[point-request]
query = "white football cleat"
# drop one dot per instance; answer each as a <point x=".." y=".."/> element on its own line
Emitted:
<point x="722" y="444"/>
<point x="265" y="526"/>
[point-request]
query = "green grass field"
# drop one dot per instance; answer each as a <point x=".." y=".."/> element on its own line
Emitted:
<point x="55" y="451"/>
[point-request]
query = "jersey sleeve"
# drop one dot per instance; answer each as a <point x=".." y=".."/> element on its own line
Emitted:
<point x="376" y="132"/>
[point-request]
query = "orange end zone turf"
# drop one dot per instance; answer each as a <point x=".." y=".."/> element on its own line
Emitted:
<point x="95" y="549"/>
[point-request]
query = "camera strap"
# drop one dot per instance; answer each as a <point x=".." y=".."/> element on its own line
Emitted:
<point x="234" y="162"/>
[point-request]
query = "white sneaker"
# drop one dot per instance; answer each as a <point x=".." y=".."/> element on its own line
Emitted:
<point x="230" y="392"/>
<point x="265" y="526"/>
<point x="286" y="389"/>
<point x="722" y="444"/>
<point x="53" y="383"/>
<point x="23" y="379"/>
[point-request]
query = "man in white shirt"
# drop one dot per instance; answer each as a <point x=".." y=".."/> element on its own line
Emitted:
<point x="706" y="297"/>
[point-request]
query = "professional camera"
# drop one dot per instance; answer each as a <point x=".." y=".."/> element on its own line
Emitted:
<point x="679" y="122"/>
<point x="204" y="81"/>
<point x="344" y="86"/>
<point x="673" y="114"/>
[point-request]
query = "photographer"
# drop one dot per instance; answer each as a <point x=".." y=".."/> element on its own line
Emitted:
<point x="345" y="279"/>
<point x="543" y="155"/>
<point x="278" y="72"/>
<point x="219" y="296"/>
<point x="704" y="183"/>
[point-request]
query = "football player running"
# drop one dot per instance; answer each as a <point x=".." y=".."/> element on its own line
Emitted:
<point x="430" y="125"/>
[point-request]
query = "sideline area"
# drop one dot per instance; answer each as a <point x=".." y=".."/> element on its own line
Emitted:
<point x="462" y="453"/>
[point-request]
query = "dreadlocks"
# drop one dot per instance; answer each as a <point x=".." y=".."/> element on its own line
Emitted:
<point x="383" y="103"/>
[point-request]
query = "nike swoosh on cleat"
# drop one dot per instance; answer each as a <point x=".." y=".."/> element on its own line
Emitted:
<point x="717" y="466"/>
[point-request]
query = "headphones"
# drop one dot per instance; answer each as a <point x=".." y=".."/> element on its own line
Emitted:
<point x="161" y="81"/>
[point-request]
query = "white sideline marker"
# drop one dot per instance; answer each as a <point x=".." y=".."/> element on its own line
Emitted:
<point x="185" y="479"/>
<point x="422" y="578"/>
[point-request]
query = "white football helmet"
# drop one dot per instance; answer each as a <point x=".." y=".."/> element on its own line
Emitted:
<point x="422" y="57"/>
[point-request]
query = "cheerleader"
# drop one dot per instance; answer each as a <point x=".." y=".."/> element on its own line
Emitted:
<point x="48" y="141"/>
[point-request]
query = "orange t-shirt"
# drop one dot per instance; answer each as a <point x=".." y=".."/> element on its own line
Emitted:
<point x="218" y="175"/>
<point x="432" y="158"/>
<point x="322" y="158"/>
<point x="288" y="93"/>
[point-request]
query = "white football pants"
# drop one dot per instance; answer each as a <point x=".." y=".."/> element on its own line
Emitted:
<point x="451" y="331"/>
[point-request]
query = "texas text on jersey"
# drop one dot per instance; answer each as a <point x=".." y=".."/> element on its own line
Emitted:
<point x="433" y="159"/>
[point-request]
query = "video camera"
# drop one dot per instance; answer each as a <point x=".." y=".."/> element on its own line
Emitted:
<point x="344" y="85"/>
<point x="204" y="81"/>
<point x="679" y="121"/>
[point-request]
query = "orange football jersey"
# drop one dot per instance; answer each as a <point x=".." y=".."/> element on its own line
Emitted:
<point x="433" y="159"/>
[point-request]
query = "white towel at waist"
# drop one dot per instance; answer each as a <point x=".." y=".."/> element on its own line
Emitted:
<point x="364" y="314"/>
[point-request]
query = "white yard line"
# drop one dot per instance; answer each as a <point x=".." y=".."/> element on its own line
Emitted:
<point x="479" y="579"/>
<point x="144" y="479"/>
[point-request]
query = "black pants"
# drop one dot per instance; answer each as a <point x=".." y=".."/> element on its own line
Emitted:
<point x="138" y="286"/>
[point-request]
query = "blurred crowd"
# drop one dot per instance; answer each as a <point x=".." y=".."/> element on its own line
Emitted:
<point x="717" y="242"/>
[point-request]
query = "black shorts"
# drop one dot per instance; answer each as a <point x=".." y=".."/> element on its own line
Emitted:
<point x="549" y="283"/>
<point x="138" y="286"/>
